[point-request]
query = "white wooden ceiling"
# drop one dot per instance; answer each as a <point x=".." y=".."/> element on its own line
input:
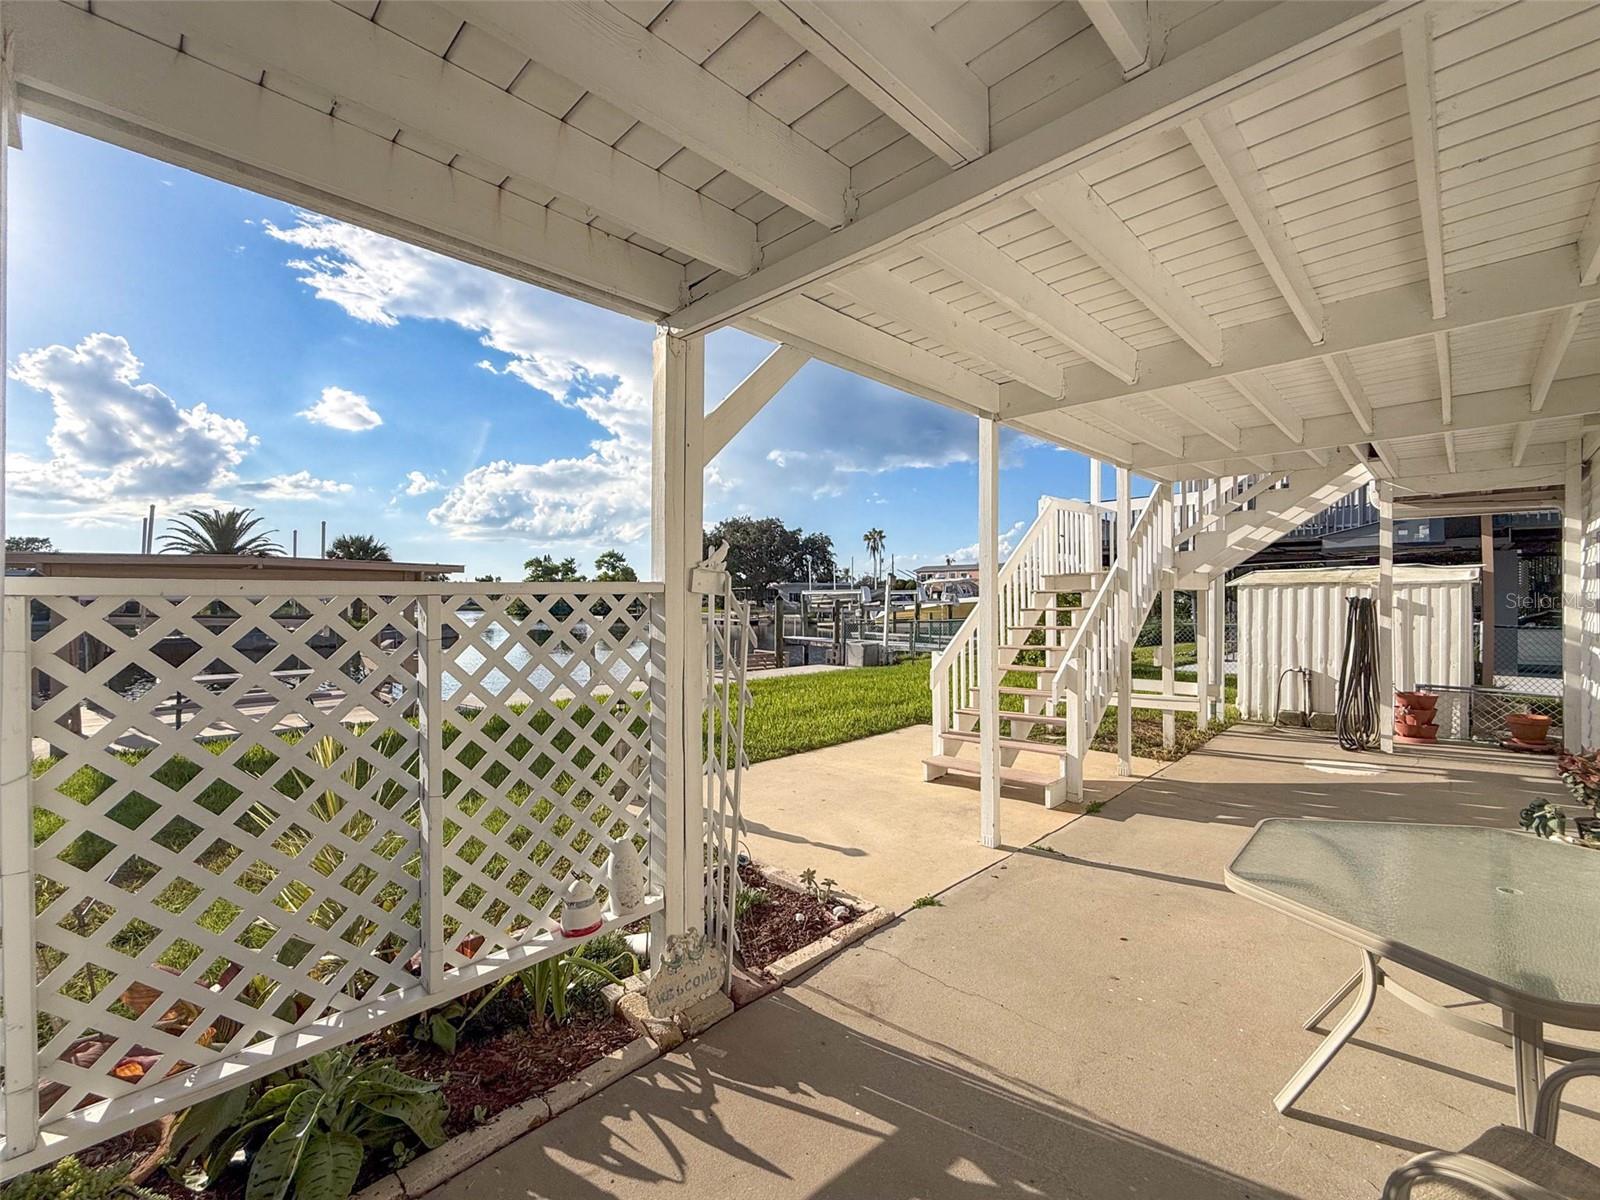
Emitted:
<point x="1186" y="237"/>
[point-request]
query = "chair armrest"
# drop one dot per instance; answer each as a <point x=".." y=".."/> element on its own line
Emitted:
<point x="1548" y="1108"/>
<point x="1452" y="1167"/>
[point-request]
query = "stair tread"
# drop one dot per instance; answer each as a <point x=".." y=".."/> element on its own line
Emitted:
<point x="968" y="766"/>
<point x="1033" y="718"/>
<point x="1010" y="690"/>
<point x="1015" y="646"/>
<point x="1018" y="744"/>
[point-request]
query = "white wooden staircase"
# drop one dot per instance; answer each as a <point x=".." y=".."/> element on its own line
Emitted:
<point x="1068" y="621"/>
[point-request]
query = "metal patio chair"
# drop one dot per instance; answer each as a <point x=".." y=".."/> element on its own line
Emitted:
<point x="1506" y="1163"/>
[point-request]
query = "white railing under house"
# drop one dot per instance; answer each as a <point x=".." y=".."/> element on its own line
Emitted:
<point x="241" y="823"/>
<point x="728" y="636"/>
<point x="1103" y="633"/>
<point x="1064" y="539"/>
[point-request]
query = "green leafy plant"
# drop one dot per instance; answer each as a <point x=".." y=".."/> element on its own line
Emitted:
<point x="749" y="900"/>
<point x="69" y="1179"/>
<point x="819" y="890"/>
<point x="927" y="902"/>
<point x="308" y="1131"/>
<point x="1544" y="819"/>
<point x="566" y="983"/>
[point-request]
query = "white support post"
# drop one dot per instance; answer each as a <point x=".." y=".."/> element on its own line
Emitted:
<point x="1095" y="481"/>
<point x="1219" y="646"/>
<point x="430" y="780"/>
<point x="677" y="499"/>
<point x="1169" y="684"/>
<point x="1202" y="657"/>
<point x="1386" y="623"/>
<point x="19" y="1038"/>
<point x="16" y="885"/>
<point x="989" y="629"/>
<point x="1124" y="570"/>
<point x="1572" y="600"/>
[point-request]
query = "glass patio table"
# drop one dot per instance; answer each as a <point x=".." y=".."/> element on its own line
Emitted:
<point x="1503" y="916"/>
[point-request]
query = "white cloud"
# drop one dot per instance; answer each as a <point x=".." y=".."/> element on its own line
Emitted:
<point x="302" y="485"/>
<point x="583" y="359"/>
<point x="116" y="439"/>
<point x="340" y="408"/>
<point x="1008" y="543"/>
<point x="418" y="484"/>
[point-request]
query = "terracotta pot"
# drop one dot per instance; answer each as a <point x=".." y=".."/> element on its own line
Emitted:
<point x="1424" y="702"/>
<point x="1528" y="728"/>
<point x="1409" y="722"/>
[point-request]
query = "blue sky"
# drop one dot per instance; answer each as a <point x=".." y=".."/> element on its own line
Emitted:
<point x="176" y="340"/>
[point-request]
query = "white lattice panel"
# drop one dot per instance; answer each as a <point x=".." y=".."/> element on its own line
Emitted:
<point x="229" y="795"/>
<point x="541" y="766"/>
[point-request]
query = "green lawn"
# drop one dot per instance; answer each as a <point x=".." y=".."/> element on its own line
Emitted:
<point x="793" y="713"/>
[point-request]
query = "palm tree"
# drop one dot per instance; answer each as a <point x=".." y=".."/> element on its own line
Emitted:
<point x="874" y="539"/>
<point x="364" y="547"/>
<point x="219" y="531"/>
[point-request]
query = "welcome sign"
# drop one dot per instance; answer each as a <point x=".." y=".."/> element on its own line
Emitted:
<point x="690" y="970"/>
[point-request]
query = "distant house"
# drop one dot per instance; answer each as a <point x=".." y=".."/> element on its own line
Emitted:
<point x="948" y="581"/>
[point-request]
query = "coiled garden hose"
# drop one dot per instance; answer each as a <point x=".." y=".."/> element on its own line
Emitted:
<point x="1357" y="711"/>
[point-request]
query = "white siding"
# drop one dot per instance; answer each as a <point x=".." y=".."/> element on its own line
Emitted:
<point x="1284" y="625"/>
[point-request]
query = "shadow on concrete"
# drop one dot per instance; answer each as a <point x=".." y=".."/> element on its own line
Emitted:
<point x="794" y="838"/>
<point x="895" y="1122"/>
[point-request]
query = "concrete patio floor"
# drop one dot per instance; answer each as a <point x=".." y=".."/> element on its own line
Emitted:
<point x="1091" y="1018"/>
<point x="860" y="814"/>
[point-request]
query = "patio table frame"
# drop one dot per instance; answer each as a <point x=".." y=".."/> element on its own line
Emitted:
<point x="1523" y="1019"/>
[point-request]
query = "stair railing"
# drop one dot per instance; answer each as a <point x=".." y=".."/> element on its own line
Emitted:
<point x="1064" y="539"/>
<point x="1088" y="677"/>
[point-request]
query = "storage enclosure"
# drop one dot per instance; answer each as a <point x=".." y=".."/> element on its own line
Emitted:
<point x="1291" y="619"/>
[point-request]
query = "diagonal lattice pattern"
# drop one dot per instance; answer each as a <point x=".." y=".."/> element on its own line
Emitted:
<point x="227" y="804"/>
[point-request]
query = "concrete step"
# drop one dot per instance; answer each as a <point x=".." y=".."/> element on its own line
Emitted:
<point x="1019" y="745"/>
<point x="937" y="765"/>
<point x="1031" y="718"/>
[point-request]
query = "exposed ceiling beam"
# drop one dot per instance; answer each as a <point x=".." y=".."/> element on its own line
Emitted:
<point x="1502" y="408"/>
<point x="1532" y="283"/>
<point x="724" y="422"/>
<point x="1320" y="457"/>
<point x="894" y="60"/>
<point x="857" y="346"/>
<point x="600" y="48"/>
<point x="1355" y="396"/>
<point x="351" y="58"/>
<point x="1548" y="455"/>
<point x="1186" y="406"/>
<point x="88" y="74"/>
<point x="1074" y="208"/>
<point x="1216" y="139"/>
<point x="1386" y="457"/>
<point x="1278" y="39"/>
<point x="898" y="299"/>
<point x="1589" y="245"/>
<point x="1259" y="391"/>
<point x="1447" y="386"/>
<point x="1520" y="440"/>
<point x="1450" y="449"/>
<point x="1124" y="26"/>
<point x="968" y="255"/>
<point x="1416" y="44"/>
<point x="1556" y="340"/>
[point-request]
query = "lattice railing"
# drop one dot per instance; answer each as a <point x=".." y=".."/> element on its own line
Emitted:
<point x="265" y="820"/>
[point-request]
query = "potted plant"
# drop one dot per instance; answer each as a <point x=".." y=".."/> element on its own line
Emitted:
<point x="1581" y="773"/>
<point x="1414" y="716"/>
<point x="1528" y="728"/>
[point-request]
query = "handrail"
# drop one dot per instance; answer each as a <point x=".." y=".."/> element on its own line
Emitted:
<point x="1149" y="545"/>
<point x="1064" y="539"/>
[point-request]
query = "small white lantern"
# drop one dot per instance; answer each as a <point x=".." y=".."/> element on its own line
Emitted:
<point x="626" y="879"/>
<point x="580" y="908"/>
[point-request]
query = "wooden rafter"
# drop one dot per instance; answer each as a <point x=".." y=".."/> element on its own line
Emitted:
<point x="1416" y="44"/>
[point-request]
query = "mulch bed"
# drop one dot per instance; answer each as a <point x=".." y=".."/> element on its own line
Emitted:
<point x="785" y="923"/>
<point x="488" y="1075"/>
<point x="513" y="1066"/>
